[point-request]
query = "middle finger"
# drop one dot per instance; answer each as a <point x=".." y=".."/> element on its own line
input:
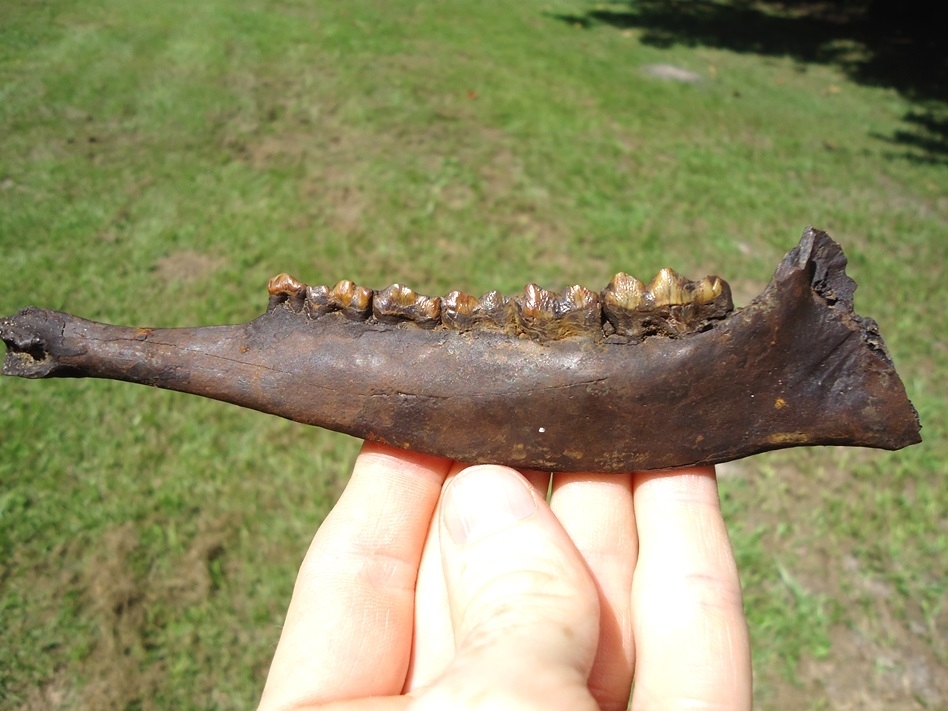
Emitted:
<point x="596" y="511"/>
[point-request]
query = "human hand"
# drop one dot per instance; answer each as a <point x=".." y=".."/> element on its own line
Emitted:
<point x="432" y="585"/>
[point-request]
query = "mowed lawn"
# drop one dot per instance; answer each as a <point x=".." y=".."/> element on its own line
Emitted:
<point x="159" y="162"/>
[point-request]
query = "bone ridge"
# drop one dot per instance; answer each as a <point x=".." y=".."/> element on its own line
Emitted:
<point x="626" y="310"/>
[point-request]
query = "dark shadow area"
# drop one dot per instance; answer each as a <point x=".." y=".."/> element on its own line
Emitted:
<point x="926" y="140"/>
<point x="901" y="45"/>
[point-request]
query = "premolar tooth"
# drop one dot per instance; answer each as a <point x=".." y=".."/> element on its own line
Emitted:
<point x="457" y="310"/>
<point x="536" y="310"/>
<point x="579" y="310"/>
<point x="535" y="302"/>
<point x="399" y="303"/>
<point x="284" y="284"/>
<point x="578" y="297"/>
<point x="286" y="289"/>
<point x="493" y="310"/>
<point x="318" y="301"/>
<point x="669" y="288"/>
<point x="353" y="300"/>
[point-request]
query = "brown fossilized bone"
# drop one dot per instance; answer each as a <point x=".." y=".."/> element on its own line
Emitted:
<point x="638" y="376"/>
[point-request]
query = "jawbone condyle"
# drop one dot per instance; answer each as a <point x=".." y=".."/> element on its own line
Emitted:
<point x="635" y="377"/>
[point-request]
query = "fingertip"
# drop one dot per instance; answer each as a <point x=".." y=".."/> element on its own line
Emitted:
<point x="485" y="499"/>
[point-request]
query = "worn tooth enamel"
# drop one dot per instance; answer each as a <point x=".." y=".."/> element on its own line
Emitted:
<point x="286" y="289"/>
<point x="493" y="310"/>
<point x="624" y="292"/>
<point x="722" y="304"/>
<point x="623" y="300"/>
<point x="706" y="300"/>
<point x="537" y="303"/>
<point x="537" y="311"/>
<point x="707" y="290"/>
<point x="669" y="288"/>
<point x="353" y="300"/>
<point x="457" y="310"/>
<point x="724" y="301"/>
<point x="318" y="301"/>
<point x="399" y="303"/>
<point x="578" y="297"/>
<point x="393" y="304"/>
<point x="427" y="311"/>
<point x="579" y="311"/>
<point x="284" y="284"/>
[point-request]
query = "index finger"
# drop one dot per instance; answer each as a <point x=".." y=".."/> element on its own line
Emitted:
<point x="348" y="629"/>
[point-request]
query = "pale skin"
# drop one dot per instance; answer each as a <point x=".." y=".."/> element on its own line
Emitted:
<point x="434" y="585"/>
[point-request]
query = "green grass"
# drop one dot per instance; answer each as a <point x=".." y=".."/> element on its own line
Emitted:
<point x="158" y="163"/>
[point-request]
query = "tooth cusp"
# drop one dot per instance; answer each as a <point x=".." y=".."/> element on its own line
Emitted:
<point x="495" y="311"/>
<point x="580" y="309"/>
<point x="546" y="315"/>
<point x="536" y="311"/>
<point x="353" y="300"/>
<point x="669" y="288"/>
<point x="707" y="290"/>
<point x="398" y="303"/>
<point x="318" y="301"/>
<point x="723" y="303"/>
<point x="623" y="301"/>
<point x="457" y="311"/>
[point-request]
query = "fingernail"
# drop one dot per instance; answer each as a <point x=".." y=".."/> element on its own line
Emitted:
<point x="483" y="500"/>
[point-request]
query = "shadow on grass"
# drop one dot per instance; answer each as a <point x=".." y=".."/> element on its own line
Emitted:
<point x="883" y="43"/>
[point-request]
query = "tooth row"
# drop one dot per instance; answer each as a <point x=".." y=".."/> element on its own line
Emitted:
<point x="669" y="304"/>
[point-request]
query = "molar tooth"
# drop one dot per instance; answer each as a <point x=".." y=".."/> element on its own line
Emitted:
<point x="353" y="300"/>
<point x="624" y="301"/>
<point x="669" y="288"/>
<point x="722" y="304"/>
<point x="285" y="289"/>
<point x="399" y="303"/>
<point x="624" y="293"/>
<point x="707" y="290"/>
<point x="457" y="310"/>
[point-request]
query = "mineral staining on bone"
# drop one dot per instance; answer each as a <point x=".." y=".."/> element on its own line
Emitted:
<point x="626" y="310"/>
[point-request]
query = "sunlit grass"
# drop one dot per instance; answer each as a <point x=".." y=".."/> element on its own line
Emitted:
<point x="159" y="162"/>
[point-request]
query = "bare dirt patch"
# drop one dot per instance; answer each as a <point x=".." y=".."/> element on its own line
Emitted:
<point x="886" y="652"/>
<point x="670" y="72"/>
<point x="129" y="605"/>
<point x="117" y="676"/>
<point x="186" y="267"/>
